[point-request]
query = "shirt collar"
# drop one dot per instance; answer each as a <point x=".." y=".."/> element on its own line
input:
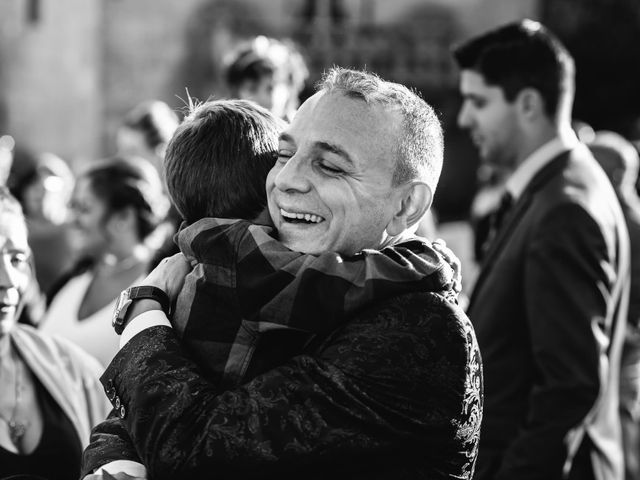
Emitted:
<point x="525" y="172"/>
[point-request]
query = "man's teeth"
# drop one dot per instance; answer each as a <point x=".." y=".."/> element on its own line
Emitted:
<point x="307" y="217"/>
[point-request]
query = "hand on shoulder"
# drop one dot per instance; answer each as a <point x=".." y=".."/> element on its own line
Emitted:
<point x="169" y="275"/>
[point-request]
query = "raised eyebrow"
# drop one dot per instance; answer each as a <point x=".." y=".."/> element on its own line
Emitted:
<point x="331" y="148"/>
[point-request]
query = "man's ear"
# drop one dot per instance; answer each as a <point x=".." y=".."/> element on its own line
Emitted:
<point x="415" y="201"/>
<point x="530" y="103"/>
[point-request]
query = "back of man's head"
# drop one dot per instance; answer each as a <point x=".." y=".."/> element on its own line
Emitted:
<point x="420" y="146"/>
<point x="218" y="160"/>
<point x="523" y="55"/>
<point x="618" y="158"/>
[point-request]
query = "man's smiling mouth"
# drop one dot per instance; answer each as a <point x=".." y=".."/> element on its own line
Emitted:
<point x="300" y="217"/>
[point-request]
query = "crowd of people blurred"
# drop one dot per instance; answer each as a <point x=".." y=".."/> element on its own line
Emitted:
<point x="559" y="263"/>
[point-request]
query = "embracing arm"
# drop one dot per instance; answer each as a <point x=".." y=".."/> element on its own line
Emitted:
<point x="288" y="288"/>
<point x="386" y="388"/>
<point x="569" y="277"/>
<point x="109" y="442"/>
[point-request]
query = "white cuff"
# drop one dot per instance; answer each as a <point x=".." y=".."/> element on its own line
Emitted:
<point x="152" y="318"/>
<point x="129" y="467"/>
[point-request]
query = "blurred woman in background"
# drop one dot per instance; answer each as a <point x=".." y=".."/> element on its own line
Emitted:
<point x="267" y="71"/>
<point x="50" y="396"/>
<point x="146" y="130"/>
<point x="117" y="204"/>
<point x="44" y="191"/>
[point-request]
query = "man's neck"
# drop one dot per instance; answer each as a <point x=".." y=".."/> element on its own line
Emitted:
<point x="539" y="137"/>
<point x="549" y="143"/>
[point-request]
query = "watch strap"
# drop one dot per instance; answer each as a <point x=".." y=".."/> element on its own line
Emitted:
<point x="137" y="293"/>
<point x="153" y="293"/>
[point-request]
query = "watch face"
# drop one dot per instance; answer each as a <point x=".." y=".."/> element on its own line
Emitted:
<point x="124" y="300"/>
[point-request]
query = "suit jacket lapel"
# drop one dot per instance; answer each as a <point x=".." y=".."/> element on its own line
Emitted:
<point x="516" y="214"/>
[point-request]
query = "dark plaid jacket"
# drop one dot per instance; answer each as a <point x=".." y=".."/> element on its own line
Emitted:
<point x="250" y="303"/>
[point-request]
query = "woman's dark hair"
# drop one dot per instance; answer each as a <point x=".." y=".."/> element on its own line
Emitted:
<point x="130" y="182"/>
<point x="248" y="66"/>
<point x="155" y="120"/>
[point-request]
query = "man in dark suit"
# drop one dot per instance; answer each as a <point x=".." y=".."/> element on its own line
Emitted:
<point x="550" y="302"/>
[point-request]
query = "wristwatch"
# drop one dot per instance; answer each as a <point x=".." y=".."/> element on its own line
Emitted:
<point x="127" y="297"/>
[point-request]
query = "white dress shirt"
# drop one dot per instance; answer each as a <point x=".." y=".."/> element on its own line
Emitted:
<point x="522" y="176"/>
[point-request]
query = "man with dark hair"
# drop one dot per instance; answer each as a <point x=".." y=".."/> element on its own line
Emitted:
<point x="395" y="392"/>
<point x="550" y="303"/>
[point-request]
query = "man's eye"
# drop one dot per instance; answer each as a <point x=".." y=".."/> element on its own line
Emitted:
<point x="330" y="168"/>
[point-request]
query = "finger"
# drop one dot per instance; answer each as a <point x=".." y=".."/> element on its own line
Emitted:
<point x="440" y="242"/>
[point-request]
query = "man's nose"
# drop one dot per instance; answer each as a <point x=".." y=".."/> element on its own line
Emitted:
<point x="294" y="175"/>
<point x="464" y="116"/>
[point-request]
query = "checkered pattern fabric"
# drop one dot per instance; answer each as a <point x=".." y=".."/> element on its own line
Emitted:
<point x="250" y="303"/>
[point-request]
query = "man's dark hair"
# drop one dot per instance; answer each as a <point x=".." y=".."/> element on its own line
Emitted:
<point x="521" y="55"/>
<point x="217" y="162"/>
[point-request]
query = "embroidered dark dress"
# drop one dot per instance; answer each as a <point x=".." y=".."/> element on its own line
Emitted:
<point x="57" y="456"/>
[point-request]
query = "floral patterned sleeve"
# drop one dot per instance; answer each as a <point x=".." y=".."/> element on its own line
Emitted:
<point x="395" y="393"/>
<point x="109" y="442"/>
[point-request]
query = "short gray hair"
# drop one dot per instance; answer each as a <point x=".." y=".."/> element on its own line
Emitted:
<point x="420" y="147"/>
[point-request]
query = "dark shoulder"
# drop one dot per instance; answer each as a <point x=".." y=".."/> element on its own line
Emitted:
<point x="418" y="312"/>
<point x="418" y="350"/>
<point x="412" y="331"/>
<point x="578" y="195"/>
<point x="581" y="180"/>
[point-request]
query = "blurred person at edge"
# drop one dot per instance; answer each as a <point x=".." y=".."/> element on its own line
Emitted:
<point x="117" y="204"/>
<point x="146" y="130"/>
<point x="44" y="192"/>
<point x="619" y="160"/>
<point x="270" y="72"/>
<point x="549" y="306"/>
<point x="50" y="396"/>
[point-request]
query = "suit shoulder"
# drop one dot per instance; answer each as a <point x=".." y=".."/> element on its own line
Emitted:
<point x="416" y="310"/>
<point x="579" y="181"/>
<point x="424" y="324"/>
